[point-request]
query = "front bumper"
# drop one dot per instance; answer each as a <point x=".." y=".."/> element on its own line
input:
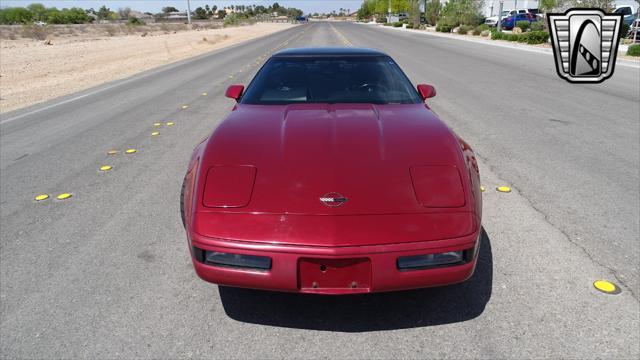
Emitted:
<point x="374" y="268"/>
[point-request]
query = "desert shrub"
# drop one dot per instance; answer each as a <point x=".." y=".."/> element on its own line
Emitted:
<point x="35" y="32"/>
<point x="512" y="37"/>
<point x="444" y="27"/>
<point x="409" y="26"/>
<point x="497" y="35"/>
<point x="624" y="30"/>
<point x="464" y="29"/>
<point x="524" y="25"/>
<point x="134" y="21"/>
<point x="634" y="50"/>
<point x="536" y="37"/>
<point x="538" y="26"/>
<point x="397" y="24"/>
<point x="485" y="33"/>
<point x="479" y="29"/>
<point x="387" y="24"/>
<point x="234" y="19"/>
<point x="516" y="30"/>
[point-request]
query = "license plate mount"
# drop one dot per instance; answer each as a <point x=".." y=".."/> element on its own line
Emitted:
<point x="317" y="275"/>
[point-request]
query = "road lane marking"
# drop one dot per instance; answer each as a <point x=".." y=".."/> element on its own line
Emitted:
<point x="112" y="152"/>
<point x="504" y="189"/>
<point x="170" y="124"/>
<point x="157" y="124"/>
<point x="106" y="168"/>
<point x="64" y="196"/>
<point x="131" y="151"/>
<point x="341" y="36"/>
<point x="155" y="133"/>
<point x="41" y="197"/>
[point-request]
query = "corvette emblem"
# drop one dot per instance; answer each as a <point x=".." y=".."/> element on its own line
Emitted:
<point x="585" y="44"/>
<point x="333" y="199"/>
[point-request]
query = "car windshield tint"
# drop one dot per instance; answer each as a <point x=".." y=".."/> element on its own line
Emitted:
<point x="363" y="79"/>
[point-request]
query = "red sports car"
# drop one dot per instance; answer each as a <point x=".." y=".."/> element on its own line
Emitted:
<point x="332" y="176"/>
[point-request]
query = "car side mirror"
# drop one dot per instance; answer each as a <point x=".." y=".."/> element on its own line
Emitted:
<point x="426" y="91"/>
<point x="234" y="92"/>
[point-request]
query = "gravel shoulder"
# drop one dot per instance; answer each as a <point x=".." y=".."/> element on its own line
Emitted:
<point x="32" y="72"/>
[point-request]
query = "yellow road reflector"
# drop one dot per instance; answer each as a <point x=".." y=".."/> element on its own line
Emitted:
<point x="606" y="287"/>
<point x="170" y="124"/>
<point x="504" y="189"/>
<point x="155" y="133"/>
<point x="42" y="197"/>
<point x="106" y="168"/>
<point x="112" y="152"/>
<point x="482" y="188"/>
<point x="204" y="94"/>
<point x="185" y="106"/>
<point x="63" y="196"/>
<point x="230" y="76"/>
<point x="131" y="151"/>
<point x="157" y="124"/>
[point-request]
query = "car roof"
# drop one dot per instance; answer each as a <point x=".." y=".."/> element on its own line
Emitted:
<point x="328" y="51"/>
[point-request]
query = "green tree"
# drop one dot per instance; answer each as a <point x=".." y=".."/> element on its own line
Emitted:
<point x="38" y="12"/>
<point x="201" y="13"/>
<point x="606" y="5"/>
<point x="169" y="9"/>
<point x="462" y="12"/>
<point x="16" y="15"/>
<point x="432" y="11"/>
<point x="103" y="13"/>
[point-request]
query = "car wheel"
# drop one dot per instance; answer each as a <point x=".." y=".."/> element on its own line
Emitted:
<point x="184" y="183"/>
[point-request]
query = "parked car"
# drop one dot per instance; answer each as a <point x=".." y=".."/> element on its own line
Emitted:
<point x="331" y="175"/>
<point x="509" y="23"/>
<point x="630" y="13"/>
<point x="493" y="20"/>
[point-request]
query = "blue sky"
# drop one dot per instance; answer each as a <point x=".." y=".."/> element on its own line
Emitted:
<point x="155" y="5"/>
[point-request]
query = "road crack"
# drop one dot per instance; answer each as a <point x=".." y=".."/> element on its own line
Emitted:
<point x="548" y="220"/>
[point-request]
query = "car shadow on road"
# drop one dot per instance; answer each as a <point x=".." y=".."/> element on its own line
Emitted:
<point x="372" y="312"/>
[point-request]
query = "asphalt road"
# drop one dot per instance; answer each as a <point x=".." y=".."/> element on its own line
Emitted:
<point x="107" y="273"/>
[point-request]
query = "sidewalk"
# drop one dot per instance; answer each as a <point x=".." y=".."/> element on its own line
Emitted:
<point x="542" y="48"/>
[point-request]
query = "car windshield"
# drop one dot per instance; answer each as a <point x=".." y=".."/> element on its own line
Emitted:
<point x="357" y="79"/>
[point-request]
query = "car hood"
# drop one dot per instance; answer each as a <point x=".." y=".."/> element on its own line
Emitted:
<point x="300" y="153"/>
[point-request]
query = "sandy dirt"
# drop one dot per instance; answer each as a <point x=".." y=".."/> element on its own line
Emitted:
<point x="32" y="72"/>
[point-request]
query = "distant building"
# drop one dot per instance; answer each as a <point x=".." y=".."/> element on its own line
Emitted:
<point x="177" y="15"/>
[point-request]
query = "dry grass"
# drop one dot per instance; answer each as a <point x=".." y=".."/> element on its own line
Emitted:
<point x="88" y="55"/>
<point x="14" y="32"/>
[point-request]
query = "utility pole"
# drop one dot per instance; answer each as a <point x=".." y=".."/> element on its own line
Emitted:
<point x="500" y="16"/>
<point x="189" y="12"/>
